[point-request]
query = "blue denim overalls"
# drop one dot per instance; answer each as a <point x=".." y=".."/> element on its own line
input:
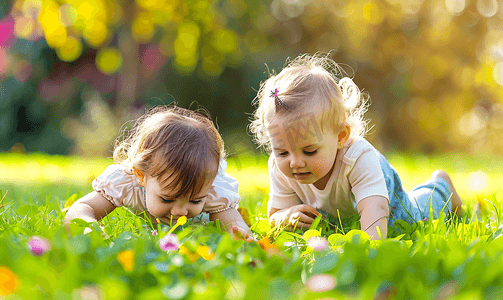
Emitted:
<point x="415" y="205"/>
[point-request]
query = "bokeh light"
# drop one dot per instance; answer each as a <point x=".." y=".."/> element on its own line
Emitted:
<point x="55" y="33"/>
<point x="455" y="7"/>
<point x="406" y="54"/>
<point x="186" y="45"/>
<point x="31" y="8"/>
<point x="108" y="60"/>
<point x="284" y="10"/>
<point x="97" y="34"/>
<point x="498" y="73"/>
<point x="70" y="51"/>
<point x="67" y="14"/>
<point x="225" y="41"/>
<point x="472" y="122"/>
<point x="143" y="27"/>
<point x="24" y="27"/>
<point x="478" y="181"/>
<point x="487" y="8"/>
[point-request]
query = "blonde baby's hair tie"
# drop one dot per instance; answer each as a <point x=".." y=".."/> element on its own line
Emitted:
<point x="278" y="103"/>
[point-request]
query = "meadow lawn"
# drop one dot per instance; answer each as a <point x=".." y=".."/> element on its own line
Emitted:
<point x="122" y="259"/>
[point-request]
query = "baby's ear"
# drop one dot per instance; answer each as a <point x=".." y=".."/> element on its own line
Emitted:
<point x="140" y="178"/>
<point x="343" y="136"/>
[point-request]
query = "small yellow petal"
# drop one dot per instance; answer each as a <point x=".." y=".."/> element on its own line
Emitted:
<point x="182" y="220"/>
<point x="9" y="282"/>
<point x="193" y="256"/>
<point x="205" y="252"/>
<point x="184" y="250"/>
<point x="126" y="259"/>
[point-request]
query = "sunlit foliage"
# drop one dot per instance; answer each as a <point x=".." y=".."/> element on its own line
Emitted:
<point x="433" y="68"/>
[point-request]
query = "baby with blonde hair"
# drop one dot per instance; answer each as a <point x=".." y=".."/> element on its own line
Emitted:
<point x="313" y="124"/>
<point x="170" y="164"/>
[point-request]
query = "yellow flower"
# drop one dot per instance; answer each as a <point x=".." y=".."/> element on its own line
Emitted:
<point x="9" y="281"/>
<point x="205" y="252"/>
<point x="126" y="259"/>
<point x="266" y="245"/>
<point x="193" y="256"/>
<point x="182" y="220"/>
<point x="201" y="251"/>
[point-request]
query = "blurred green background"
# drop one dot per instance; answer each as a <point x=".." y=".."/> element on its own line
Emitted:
<point x="72" y="72"/>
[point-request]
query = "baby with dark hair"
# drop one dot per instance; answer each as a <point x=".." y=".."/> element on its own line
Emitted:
<point x="170" y="164"/>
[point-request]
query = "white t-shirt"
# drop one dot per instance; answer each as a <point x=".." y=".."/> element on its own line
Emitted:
<point x="121" y="189"/>
<point x="357" y="174"/>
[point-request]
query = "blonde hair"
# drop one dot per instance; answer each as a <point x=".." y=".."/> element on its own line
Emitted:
<point x="172" y="142"/>
<point x="310" y="82"/>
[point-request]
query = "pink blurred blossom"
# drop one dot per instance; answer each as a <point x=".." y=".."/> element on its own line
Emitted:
<point x="321" y="283"/>
<point x="38" y="245"/>
<point x="154" y="232"/>
<point x="318" y="243"/>
<point x="151" y="59"/>
<point x="7" y="31"/>
<point x="169" y="242"/>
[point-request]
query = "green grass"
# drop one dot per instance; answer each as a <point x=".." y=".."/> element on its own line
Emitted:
<point x="456" y="259"/>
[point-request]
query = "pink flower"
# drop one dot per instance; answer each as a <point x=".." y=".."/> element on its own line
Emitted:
<point x="317" y="243"/>
<point x="321" y="283"/>
<point x="169" y="242"/>
<point x="425" y="219"/>
<point x="38" y="245"/>
<point x="154" y="232"/>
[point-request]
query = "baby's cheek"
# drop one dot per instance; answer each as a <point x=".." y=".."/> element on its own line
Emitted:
<point x="284" y="168"/>
<point x="154" y="210"/>
<point x="317" y="165"/>
<point x="321" y="167"/>
<point x="199" y="208"/>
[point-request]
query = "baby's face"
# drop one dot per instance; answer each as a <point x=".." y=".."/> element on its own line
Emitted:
<point x="304" y="154"/>
<point x="162" y="205"/>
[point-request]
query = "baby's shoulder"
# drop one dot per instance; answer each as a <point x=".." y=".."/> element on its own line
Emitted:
<point x="115" y="169"/>
<point x="116" y="174"/>
<point x="357" y="147"/>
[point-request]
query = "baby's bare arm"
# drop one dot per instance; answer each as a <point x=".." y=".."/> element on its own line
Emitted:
<point x="374" y="211"/>
<point x="92" y="207"/>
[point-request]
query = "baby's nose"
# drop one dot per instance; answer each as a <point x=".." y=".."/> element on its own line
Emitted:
<point x="297" y="162"/>
<point x="179" y="211"/>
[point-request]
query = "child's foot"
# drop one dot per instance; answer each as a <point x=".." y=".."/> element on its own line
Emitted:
<point x="455" y="199"/>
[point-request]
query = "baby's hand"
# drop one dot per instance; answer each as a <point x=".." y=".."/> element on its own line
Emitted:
<point x="88" y="230"/>
<point x="240" y="233"/>
<point x="298" y="216"/>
